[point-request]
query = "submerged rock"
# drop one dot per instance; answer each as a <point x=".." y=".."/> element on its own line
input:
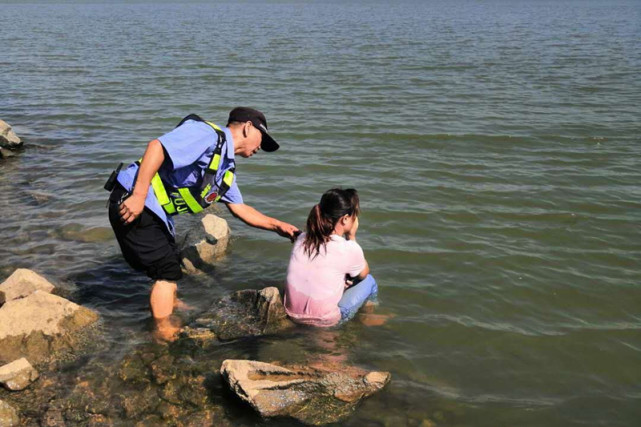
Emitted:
<point x="205" y="243"/>
<point x="6" y="153"/>
<point x="310" y="395"/>
<point x="244" y="313"/>
<point x="8" y="138"/>
<point x="42" y="327"/>
<point x="18" y="374"/>
<point x="23" y="283"/>
<point x="8" y="415"/>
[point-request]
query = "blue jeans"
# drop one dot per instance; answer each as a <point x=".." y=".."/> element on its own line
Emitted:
<point x="354" y="297"/>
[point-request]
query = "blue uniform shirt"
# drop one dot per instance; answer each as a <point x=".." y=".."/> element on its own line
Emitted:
<point x="188" y="151"/>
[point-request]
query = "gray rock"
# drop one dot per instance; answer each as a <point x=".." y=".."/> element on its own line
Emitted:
<point x="205" y="243"/>
<point x="8" y="138"/>
<point x="18" y="374"/>
<point x="8" y="415"/>
<point x="41" y="327"/>
<point x="244" y="313"/>
<point x="311" y="395"/>
<point x="23" y="283"/>
<point x="6" y="153"/>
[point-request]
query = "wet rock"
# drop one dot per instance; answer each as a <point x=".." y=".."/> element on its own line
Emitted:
<point x="163" y="369"/>
<point x="169" y="412"/>
<point x="427" y="423"/>
<point x="8" y="415"/>
<point x="242" y="314"/>
<point x="23" y="283"/>
<point x="150" y="421"/>
<point x="205" y="243"/>
<point x="53" y="418"/>
<point x="310" y="395"/>
<point x="133" y="369"/>
<point x="6" y="153"/>
<point x="40" y="197"/>
<point x="42" y="327"/>
<point x="203" y="337"/>
<point x="17" y="375"/>
<point x="8" y="138"/>
<point x="80" y="233"/>
<point x="137" y="403"/>
<point x="99" y="420"/>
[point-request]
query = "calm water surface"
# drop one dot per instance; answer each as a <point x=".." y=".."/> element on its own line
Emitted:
<point x="495" y="146"/>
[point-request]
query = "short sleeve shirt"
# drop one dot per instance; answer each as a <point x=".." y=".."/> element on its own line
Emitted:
<point x="315" y="285"/>
<point x="188" y="151"/>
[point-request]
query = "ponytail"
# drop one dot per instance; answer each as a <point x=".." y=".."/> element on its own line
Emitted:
<point x="323" y="217"/>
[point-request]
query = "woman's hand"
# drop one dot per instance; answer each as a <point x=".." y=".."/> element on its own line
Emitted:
<point x="351" y="234"/>
<point x="131" y="208"/>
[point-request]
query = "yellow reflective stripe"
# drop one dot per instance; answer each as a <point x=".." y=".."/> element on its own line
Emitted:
<point x="228" y="178"/>
<point x="159" y="189"/>
<point x="213" y="125"/>
<point x="170" y="208"/>
<point x="215" y="162"/>
<point x="205" y="191"/>
<point x="189" y="199"/>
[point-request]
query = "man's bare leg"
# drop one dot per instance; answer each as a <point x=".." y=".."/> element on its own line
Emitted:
<point x="161" y="301"/>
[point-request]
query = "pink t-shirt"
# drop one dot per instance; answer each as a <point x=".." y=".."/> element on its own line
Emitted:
<point x="314" y="286"/>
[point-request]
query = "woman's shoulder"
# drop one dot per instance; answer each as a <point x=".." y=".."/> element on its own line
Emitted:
<point x="344" y="244"/>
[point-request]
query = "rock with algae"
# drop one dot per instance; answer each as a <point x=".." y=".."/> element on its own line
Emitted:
<point x="311" y="395"/>
<point x="8" y="415"/>
<point x="42" y="327"/>
<point x="244" y="313"/>
<point x="22" y="283"/>
<point x="17" y="375"/>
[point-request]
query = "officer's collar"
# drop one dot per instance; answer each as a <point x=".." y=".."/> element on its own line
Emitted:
<point x="229" y="150"/>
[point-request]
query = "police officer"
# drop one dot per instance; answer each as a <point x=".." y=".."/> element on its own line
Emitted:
<point x="184" y="171"/>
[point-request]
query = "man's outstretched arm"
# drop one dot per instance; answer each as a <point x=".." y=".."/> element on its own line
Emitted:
<point x="251" y="216"/>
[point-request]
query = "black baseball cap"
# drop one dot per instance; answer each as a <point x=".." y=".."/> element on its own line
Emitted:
<point x="246" y="114"/>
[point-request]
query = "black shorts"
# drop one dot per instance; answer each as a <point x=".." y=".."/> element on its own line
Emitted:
<point x="146" y="244"/>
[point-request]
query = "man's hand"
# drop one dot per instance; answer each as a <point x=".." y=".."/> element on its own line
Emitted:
<point x="254" y="218"/>
<point x="287" y="230"/>
<point x="131" y="208"/>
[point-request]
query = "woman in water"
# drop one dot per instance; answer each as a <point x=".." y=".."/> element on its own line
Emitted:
<point x="328" y="277"/>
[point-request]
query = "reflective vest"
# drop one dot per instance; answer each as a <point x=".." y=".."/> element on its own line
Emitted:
<point x="195" y="199"/>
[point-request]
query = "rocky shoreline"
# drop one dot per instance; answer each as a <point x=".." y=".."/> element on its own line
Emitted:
<point x="188" y="382"/>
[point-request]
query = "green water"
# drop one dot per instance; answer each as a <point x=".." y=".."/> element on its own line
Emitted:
<point x="495" y="146"/>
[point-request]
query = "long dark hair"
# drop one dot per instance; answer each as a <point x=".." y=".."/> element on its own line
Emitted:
<point x="323" y="217"/>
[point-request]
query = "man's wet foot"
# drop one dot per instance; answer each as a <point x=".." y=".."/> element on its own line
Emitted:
<point x="166" y="330"/>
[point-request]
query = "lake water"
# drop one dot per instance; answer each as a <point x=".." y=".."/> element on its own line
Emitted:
<point x="495" y="146"/>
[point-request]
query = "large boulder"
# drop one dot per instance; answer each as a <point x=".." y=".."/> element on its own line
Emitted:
<point x="8" y="138"/>
<point x="244" y="313"/>
<point x="42" y="327"/>
<point x="8" y="415"/>
<point x="18" y="374"/>
<point x="310" y="395"/>
<point x="23" y="283"/>
<point x="205" y="243"/>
